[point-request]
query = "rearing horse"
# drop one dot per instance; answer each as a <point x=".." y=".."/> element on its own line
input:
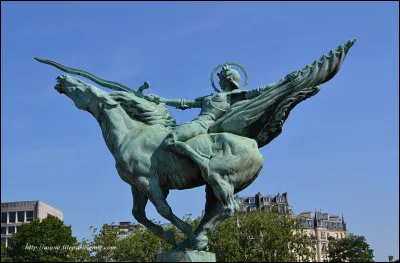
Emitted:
<point x="133" y="129"/>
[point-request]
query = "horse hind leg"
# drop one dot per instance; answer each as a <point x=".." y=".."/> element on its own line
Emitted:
<point x="215" y="212"/>
<point x="224" y="192"/>
<point x="138" y="212"/>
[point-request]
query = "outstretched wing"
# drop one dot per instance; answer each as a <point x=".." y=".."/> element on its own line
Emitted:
<point x="262" y="115"/>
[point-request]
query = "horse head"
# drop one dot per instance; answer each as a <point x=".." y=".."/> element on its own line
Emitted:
<point x="85" y="96"/>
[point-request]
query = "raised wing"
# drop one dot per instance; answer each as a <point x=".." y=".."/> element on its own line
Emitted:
<point x="262" y="115"/>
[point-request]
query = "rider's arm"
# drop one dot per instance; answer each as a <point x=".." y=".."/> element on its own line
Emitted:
<point x="182" y="103"/>
<point x="257" y="91"/>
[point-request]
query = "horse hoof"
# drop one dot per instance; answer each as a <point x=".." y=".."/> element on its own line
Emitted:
<point x="182" y="246"/>
<point x="169" y="235"/>
<point x="200" y="242"/>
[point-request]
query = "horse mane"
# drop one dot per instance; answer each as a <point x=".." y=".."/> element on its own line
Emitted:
<point x="144" y="111"/>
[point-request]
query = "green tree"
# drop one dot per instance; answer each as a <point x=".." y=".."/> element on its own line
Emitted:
<point x="260" y="236"/>
<point x="141" y="245"/>
<point x="101" y="248"/>
<point x="44" y="240"/>
<point x="353" y="248"/>
<point x="4" y="253"/>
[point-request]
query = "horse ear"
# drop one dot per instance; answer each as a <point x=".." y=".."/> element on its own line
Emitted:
<point x="109" y="101"/>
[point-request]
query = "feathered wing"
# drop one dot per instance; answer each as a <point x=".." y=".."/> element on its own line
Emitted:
<point x="261" y="117"/>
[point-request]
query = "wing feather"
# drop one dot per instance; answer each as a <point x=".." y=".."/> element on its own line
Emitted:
<point x="261" y="117"/>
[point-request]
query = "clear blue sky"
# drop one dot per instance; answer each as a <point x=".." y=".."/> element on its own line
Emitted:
<point x="338" y="151"/>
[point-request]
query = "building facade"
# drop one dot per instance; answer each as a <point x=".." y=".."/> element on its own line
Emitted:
<point x="320" y="227"/>
<point x="323" y="228"/>
<point x="278" y="202"/>
<point x="14" y="214"/>
<point x="125" y="228"/>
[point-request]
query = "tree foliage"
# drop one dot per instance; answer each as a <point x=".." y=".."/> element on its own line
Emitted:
<point x="352" y="248"/>
<point x="44" y="240"/>
<point x="260" y="236"/>
<point x="4" y="253"/>
<point x="255" y="236"/>
<point x="140" y="246"/>
<point x="109" y="244"/>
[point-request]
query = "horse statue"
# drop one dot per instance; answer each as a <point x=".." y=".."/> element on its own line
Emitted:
<point x="218" y="149"/>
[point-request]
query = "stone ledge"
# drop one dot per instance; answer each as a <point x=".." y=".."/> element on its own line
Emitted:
<point x="187" y="256"/>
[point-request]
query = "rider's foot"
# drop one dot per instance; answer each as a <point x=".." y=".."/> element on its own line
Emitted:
<point x="183" y="149"/>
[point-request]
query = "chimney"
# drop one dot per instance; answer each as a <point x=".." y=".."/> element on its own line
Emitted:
<point x="258" y="200"/>
<point x="286" y="197"/>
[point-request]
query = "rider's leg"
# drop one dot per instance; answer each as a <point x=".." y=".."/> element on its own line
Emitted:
<point x="175" y="141"/>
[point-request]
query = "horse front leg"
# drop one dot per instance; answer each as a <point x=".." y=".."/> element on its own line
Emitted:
<point x="139" y="213"/>
<point x="158" y="198"/>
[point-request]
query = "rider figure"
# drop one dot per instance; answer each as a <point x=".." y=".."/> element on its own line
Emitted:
<point x="212" y="108"/>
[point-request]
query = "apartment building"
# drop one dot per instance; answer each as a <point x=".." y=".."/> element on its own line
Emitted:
<point x="125" y="228"/>
<point x="323" y="228"/>
<point x="14" y="214"/>
<point x="278" y="202"/>
<point x="320" y="227"/>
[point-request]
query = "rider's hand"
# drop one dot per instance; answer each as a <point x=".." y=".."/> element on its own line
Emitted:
<point x="153" y="98"/>
<point x="183" y="107"/>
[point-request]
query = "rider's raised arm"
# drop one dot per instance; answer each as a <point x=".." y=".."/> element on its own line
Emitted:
<point x="180" y="103"/>
<point x="183" y="103"/>
<point x="257" y="91"/>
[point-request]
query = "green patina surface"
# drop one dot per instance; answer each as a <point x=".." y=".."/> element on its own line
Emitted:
<point x="218" y="149"/>
<point x="187" y="256"/>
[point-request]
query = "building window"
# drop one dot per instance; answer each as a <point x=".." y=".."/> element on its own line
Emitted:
<point x="11" y="229"/>
<point x="309" y="223"/>
<point x="18" y="229"/>
<point x="29" y="215"/>
<point x="4" y="218"/>
<point x="322" y="234"/>
<point x="3" y="230"/>
<point x="21" y="216"/>
<point x="9" y="242"/>
<point x="266" y="199"/>
<point x="323" y="247"/>
<point x="252" y="200"/>
<point x="281" y="209"/>
<point x="280" y="199"/>
<point x="240" y="200"/>
<point x="11" y="217"/>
